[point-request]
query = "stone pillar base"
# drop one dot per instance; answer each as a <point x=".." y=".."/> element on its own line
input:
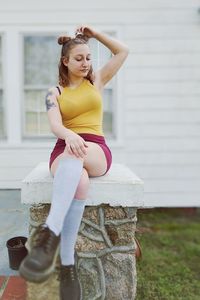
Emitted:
<point x="105" y="254"/>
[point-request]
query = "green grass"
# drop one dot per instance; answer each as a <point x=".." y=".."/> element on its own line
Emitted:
<point x="170" y="264"/>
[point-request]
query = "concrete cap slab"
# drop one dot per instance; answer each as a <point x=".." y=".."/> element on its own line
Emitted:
<point x="119" y="187"/>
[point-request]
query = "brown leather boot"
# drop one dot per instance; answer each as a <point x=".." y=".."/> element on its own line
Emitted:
<point x="40" y="262"/>
<point x="70" y="288"/>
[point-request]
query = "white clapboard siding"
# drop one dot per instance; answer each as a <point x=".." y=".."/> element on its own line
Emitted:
<point x="163" y="108"/>
<point x="163" y="158"/>
<point x="166" y="144"/>
<point x="173" y="199"/>
<point x="150" y="102"/>
<point x="16" y="163"/>
<point x="163" y="116"/>
<point x="171" y="185"/>
<point x="163" y="74"/>
<point x="150" y="15"/>
<point x="160" y="90"/>
<point x="164" y="32"/>
<point x="23" y="5"/>
<point x="164" y="60"/>
<point x="180" y="131"/>
<point x="177" y="172"/>
<point x="155" y="46"/>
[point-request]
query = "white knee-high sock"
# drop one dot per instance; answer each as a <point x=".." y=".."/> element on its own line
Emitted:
<point x="65" y="182"/>
<point x="70" y="231"/>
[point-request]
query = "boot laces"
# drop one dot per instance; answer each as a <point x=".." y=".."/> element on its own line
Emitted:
<point x="68" y="271"/>
<point x="72" y="274"/>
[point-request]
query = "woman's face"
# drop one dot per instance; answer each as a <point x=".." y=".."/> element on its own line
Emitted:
<point x="79" y="61"/>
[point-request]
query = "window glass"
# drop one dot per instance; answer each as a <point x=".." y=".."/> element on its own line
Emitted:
<point x="41" y="55"/>
<point x="100" y="55"/>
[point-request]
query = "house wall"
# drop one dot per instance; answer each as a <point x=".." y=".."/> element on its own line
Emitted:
<point x="159" y="115"/>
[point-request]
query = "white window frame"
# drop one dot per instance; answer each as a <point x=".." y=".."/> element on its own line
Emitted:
<point x="32" y="137"/>
<point x="13" y="92"/>
<point x="2" y="85"/>
<point x="12" y="95"/>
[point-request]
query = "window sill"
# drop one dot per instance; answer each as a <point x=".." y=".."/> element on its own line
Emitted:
<point x="48" y="144"/>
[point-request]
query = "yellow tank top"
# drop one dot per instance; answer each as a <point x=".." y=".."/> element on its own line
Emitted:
<point x="82" y="108"/>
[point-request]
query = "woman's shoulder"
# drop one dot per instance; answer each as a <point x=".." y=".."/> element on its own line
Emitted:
<point x="96" y="82"/>
<point x="55" y="90"/>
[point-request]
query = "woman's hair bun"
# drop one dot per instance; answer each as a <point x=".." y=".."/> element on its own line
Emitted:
<point x="63" y="39"/>
<point x="82" y="37"/>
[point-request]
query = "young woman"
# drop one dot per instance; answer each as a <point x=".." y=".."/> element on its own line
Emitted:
<point x="75" y="115"/>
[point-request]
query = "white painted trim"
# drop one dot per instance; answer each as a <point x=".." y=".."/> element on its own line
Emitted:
<point x="12" y="87"/>
<point x="22" y="86"/>
<point x="30" y="144"/>
<point x="3" y="84"/>
<point x="118" y="110"/>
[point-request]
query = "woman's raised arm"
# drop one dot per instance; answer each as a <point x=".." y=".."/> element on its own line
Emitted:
<point x="119" y="50"/>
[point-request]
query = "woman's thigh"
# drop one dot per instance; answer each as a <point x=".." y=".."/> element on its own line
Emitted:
<point x="94" y="161"/>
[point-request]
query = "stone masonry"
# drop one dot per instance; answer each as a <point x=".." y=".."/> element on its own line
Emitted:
<point x="105" y="254"/>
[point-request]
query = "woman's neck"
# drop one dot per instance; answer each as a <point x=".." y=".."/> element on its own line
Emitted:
<point x="75" y="82"/>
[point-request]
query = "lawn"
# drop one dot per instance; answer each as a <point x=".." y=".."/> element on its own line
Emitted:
<point x="170" y="264"/>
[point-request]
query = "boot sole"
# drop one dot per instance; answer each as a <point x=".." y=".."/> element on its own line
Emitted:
<point x="38" y="277"/>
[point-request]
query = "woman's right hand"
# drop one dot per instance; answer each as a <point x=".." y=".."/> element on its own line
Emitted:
<point x="86" y="30"/>
<point x="75" y="144"/>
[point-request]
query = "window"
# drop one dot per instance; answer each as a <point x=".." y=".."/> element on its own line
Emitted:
<point x="100" y="55"/>
<point x="2" y="128"/>
<point x="41" y="56"/>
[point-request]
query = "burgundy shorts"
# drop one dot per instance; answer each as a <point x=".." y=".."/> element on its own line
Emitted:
<point x="88" y="137"/>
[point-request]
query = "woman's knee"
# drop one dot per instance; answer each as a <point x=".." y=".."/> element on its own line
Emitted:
<point x="83" y="186"/>
<point x="55" y="163"/>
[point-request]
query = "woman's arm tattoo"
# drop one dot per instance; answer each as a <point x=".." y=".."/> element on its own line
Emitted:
<point x="48" y="101"/>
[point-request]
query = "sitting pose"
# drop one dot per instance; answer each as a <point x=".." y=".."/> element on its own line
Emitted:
<point x="75" y="115"/>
